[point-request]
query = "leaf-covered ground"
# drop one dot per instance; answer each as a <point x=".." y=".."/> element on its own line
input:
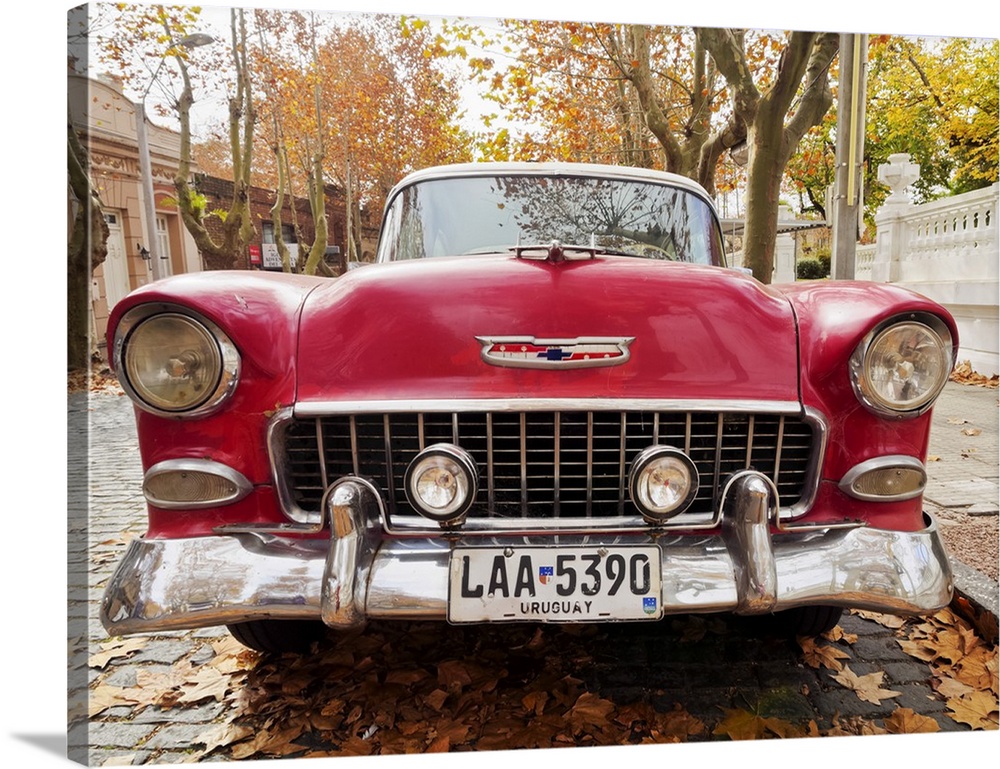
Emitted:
<point x="427" y="687"/>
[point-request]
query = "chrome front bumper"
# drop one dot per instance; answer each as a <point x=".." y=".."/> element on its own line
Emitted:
<point x="359" y="573"/>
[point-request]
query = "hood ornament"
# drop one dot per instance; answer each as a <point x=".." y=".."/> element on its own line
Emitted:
<point x="531" y="352"/>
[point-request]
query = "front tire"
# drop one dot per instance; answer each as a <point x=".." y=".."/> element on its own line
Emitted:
<point x="810" y="620"/>
<point x="275" y="636"/>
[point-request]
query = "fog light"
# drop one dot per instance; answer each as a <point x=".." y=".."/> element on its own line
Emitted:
<point x="442" y="482"/>
<point x="885" y="479"/>
<point x="192" y="484"/>
<point x="663" y="482"/>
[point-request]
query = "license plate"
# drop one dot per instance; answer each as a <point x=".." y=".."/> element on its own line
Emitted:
<point x="564" y="584"/>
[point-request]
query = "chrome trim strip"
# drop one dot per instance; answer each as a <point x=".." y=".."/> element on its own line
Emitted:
<point x="513" y="405"/>
<point x="207" y="466"/>
<point x="276" y="449"/>
<point x="390" y="474"/>
<point x="322" y="452"/>
<point x="811" y="485"/>
<point x="883" y="463"/>
<point x="717" y="469"/>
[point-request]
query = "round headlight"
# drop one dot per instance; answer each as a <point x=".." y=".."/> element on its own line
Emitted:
<point x="172" y="363"/>
<point x="901" y="369"/>
<point x="663" y="482"/>
<point x="442" y="482"/>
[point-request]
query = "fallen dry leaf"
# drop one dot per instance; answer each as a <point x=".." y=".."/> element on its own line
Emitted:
<point x="590" y="709"/>
<point x="103" y="697"/>
<point x="891" y="621"/>
<point x="219" y="735"/>
<point x="206" y="683"/>
<point x="116" y="649"/>
<point x="964" y="374"/>
<point x="978" y="710"/>
<point x="867" y="687"/>
<point x="853" y="725"/>
<point x="971" y="431"/>
<point x="742" y="725"/>
<point x="678" y="724"/>
<point x="951" y="688"/>
<point x="822" y="655"/>
<point x="838" y="634"/>
<point x="923" y="649"/>
<point x="907" y="721"/>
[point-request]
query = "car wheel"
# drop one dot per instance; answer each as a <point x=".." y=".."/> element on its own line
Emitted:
<point x="810" y="620"/>
<point x="276" y="635"/>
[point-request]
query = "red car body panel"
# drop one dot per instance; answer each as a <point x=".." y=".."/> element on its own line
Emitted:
<point x="260" y="313"/>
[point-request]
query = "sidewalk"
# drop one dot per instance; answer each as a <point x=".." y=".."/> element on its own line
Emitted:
<point x="963" y="492"/>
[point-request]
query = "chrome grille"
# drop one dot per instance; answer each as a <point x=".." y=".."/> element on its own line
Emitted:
<point x="545" y="464"/>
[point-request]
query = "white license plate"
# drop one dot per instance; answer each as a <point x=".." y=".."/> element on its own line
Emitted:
<point x="562" y="584"/>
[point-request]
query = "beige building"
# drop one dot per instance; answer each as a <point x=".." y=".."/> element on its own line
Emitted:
<point x="106" y="122"/>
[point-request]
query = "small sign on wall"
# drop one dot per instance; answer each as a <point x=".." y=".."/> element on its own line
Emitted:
<point x="271" y="257"/>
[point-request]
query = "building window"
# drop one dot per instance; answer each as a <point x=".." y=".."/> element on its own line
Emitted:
<point x="287" y="232"/>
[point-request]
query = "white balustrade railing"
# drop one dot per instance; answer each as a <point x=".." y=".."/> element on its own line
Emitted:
<point x="864" y="260"/>
<point x="949" y="251"/>
<point x="951" y="239"/>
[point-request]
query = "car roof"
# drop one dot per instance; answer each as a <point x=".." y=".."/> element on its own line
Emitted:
<point x="551" y="169"/>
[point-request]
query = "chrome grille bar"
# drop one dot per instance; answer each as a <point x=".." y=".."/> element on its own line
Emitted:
<point x="491" y="495"/>
<point x="556" y="460"/>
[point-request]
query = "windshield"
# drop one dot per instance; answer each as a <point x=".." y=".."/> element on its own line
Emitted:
<point x="493" y="214"/>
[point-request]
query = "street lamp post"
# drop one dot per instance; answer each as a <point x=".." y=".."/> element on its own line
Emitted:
<point x="156" y="259"/>
<point x="848" y="203"/>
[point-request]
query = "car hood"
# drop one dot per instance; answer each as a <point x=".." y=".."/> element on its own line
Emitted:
<point x="416" y="331"/>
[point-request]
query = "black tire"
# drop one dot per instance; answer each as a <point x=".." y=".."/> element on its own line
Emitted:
<point x="810" y="620"/>
<point x="274" y="636"/>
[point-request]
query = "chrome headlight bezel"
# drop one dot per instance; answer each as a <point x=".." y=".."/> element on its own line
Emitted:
<point x="638" y="481"/>
<point x="935" y="331"/>
<point x="226" y="359"/>
<point x="458" y="465"/>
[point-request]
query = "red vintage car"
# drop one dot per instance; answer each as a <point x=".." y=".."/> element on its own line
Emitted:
<point x="549" y="401"/>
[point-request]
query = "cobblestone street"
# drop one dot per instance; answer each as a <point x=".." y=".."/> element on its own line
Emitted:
<point x="676" y="665"/>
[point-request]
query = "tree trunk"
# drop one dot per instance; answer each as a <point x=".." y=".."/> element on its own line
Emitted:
<point x="763" y="190"/>
<point x="87" y="248"/>
<point x="317" y="203"/>
<point x="237" y="226"/>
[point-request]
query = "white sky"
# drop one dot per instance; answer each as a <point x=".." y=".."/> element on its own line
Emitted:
<point x="34" y="389"/>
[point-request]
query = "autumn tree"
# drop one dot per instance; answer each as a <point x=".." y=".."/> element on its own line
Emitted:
<point x="392" y="109"/>
<point x="291" y="105"/>
<point x="935" y="100"/>
<point x="777" y="110"/>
